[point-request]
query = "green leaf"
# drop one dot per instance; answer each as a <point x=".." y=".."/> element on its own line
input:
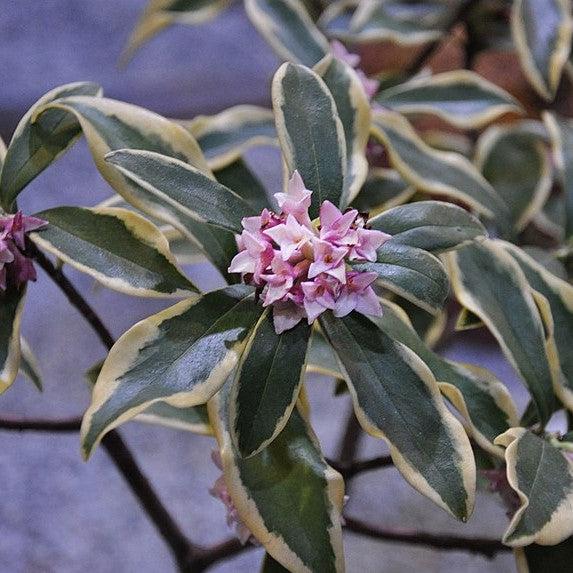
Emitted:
<point x="354" y="111"/>
<point x="11" y="306"/>
<point x="559" y="295"/>
<point x="284" y="490"/>
<point x="321" y="357"/>
<point x="461" y="97"/>
<point x="183" y="186"/>
<point x="119" y="248"/>
<point x="434" y="226"/>
<point x="225" y="137"/>
<point x="561" y="134"/>
<point x="310" y="133"/>
<point x="383" y="189"/>
<point x="29" y="367"/>
<point x="483" y="400"/>
<point x="288" y="29"/>
<point x="38" y="141"/>
<point x="542" y="477"/>
<point x="110" y="125"/>
<point x="412" y="273"/>
<point x="541" y="558"/>
<point x="541" y="31"/>
<point x="2" y="154"/>
<point x="405" y="23"/>
<point x="238" y="177"/>
<point x="396" y="398"/>
<point x="269" y="565"/>
<point x="526" y="186"/>
<point x="193" y="419"/>
<point x="487" y="280"/>
<point x="439" y="172"/>
<point x="184" y="251"/>
<point x="159" y="14"/>
<point x="267" y="384"/>
<point x="184" y="353"/>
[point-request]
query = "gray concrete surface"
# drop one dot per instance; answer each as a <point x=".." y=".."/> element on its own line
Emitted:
<point x="59" y="514"/>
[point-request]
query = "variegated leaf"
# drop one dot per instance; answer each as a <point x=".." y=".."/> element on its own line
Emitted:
<point x="412" y="273"/>
<point x="289" y="30"/>
<point x="542" y="477"/>
<point x="354" y="111"/>
<point x="117" y="247"/>
<point x="526" y="186"/>
<point x="225" y="137"/>
<point x="264" y="391"/>
<point x="285" y="489"/>
<point x="38" y="141"/>
<point x="383" y="189"/>
<point x="159" y="14"/>
<point x="183" y="187"/>
<point x="490" y="283"/>
<point x="397" y="398"/>
<point x="11" y="306"/>
<point x="184" y="354"/>
<point x="561" y="134"/>
<point x="483" y="400"/>
<point x="462" y="98"/>
<point x="439" y="172"/>
<point x="321" y="357"/>
<point x="310" y="133"/>
<point x="29" y="367"/>
<point x="536" y="558"/>
<point x="434" y="226"/>
<point x="541" y="31"/>
<point x="559" y="295"/>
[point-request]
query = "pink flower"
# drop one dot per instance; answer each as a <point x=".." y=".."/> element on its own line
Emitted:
<point x="290" y="237"/>
<point x="296" y="200"/>
<point x="220" y="491"/>
<point x="15" y="267"/>
<point x="301" y="270"/>
<point x="358" y="295"/>
<point x="340" y="52"/>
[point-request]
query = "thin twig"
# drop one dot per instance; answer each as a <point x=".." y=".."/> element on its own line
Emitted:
<point x="483" y="546"/>
<point x="350" y="470"/>
<point x="67" y="425"/>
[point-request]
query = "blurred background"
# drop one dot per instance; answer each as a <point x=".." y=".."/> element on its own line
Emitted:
<point x="58" y="513"/>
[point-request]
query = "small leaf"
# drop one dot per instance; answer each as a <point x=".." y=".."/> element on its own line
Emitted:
<point x="29" y="365"/>
<point x="541" y="31"/>
<point x="396" y="398"/>
<point x="119" y="248"/>
<point x="439" y="172"/>
<point x="462" y="98"/>
<point x="159" y="14"/>
<point x="38" y="141"/>
<point x="542" y="477"/>
<point x="526" y="186"/>
<point x="383" y="189"/>
<point x="412" y="273"/>
<point x="225" y="137"/>
<point x="288" y="29"/>
<point x="183" y="186"/>
<point x="487" y="281"/>
<point x="184" y="353"/>
<point x="354" y="111"/>
<point x="267" y="384"/>
<point x="11" y="306"/>
<point x="310" y="133"/>
<point x="283" y="490"/>
<point x="434" y="226"/>
<point x="483" y="400"/>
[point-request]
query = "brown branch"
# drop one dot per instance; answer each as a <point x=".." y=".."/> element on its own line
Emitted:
<point x="421" y="59"/>
<point x="352" y="469"/>
<point x="68" y="425"/>
<point x="483" y="546"/>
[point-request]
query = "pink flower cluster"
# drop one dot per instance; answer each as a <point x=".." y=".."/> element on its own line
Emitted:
<point x="299" y="268"/>
<point x="340" y="52"/>
<point x="15" y="267"/>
